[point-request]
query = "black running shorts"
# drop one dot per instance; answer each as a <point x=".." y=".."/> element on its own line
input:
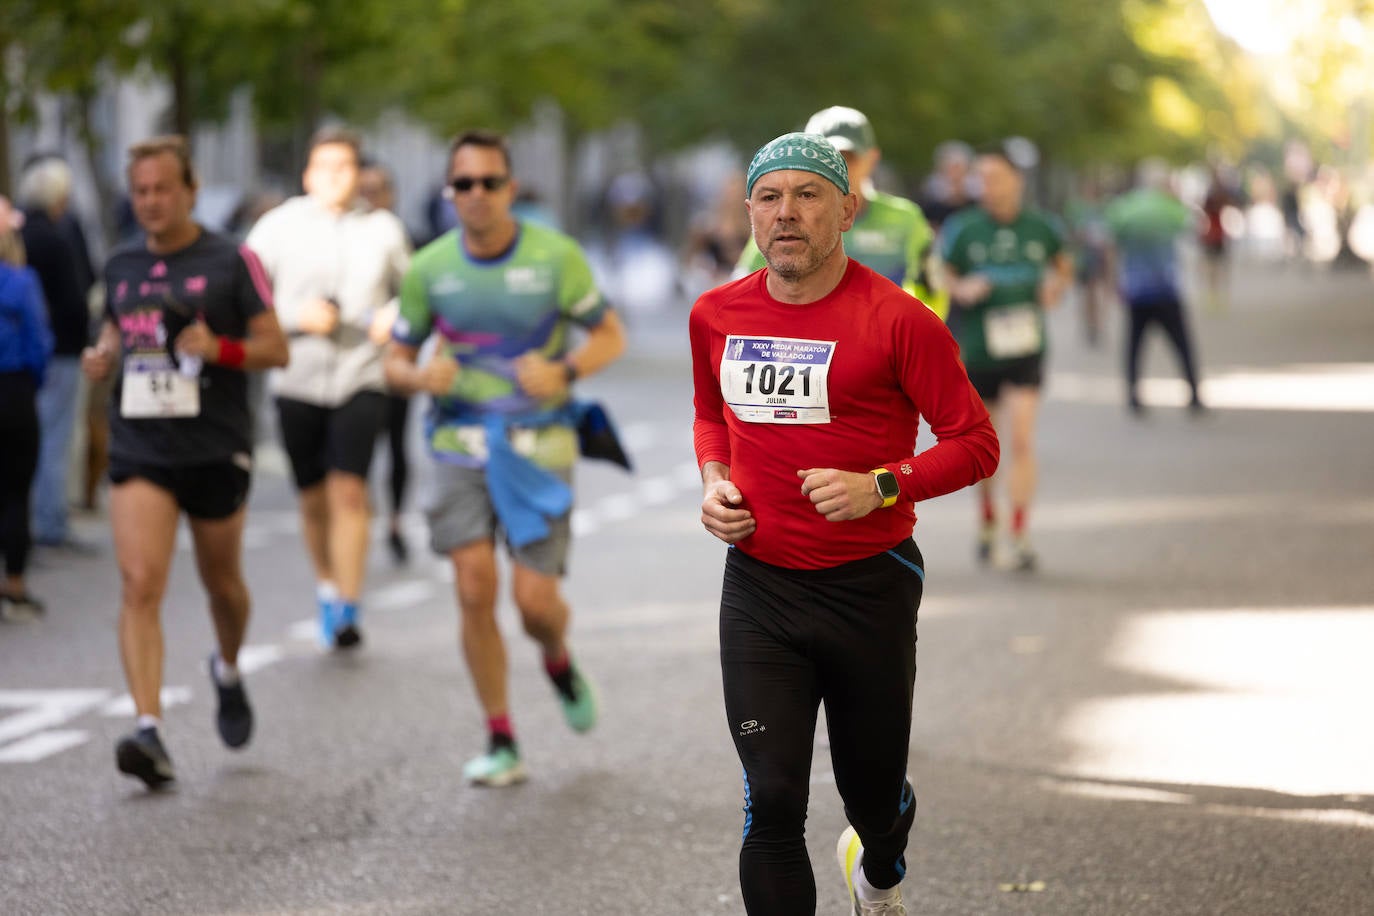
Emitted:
<point x="323" y="439"/>
<point x="202" y="491"/>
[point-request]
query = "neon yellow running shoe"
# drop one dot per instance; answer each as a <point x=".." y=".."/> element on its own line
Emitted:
<point x="849" y="851"/>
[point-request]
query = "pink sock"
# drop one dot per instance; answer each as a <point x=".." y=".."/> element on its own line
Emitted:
<point x="500" y="726"/>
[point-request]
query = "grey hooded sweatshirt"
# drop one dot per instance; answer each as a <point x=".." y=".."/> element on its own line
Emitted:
<point x="356" y="259"/>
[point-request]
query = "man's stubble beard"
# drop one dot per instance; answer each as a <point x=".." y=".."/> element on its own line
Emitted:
<point x="802" y="265"/>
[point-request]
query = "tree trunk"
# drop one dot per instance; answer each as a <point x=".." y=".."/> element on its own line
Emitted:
<point x="93" y="144"/>
<point x="6" y="179"/>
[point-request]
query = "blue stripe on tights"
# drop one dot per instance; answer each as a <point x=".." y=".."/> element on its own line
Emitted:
<point x="908" y="564"/>
<point x="748" y="806"/>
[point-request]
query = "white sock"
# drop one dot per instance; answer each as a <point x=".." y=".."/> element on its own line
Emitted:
<point x="326" y="590"/>
<point x="867" y="892"/>
<point x="149" y="722"/>
<point x="225" y="673"/>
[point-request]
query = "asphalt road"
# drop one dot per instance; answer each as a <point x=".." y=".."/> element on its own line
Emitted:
<point x="1170" y="717"/>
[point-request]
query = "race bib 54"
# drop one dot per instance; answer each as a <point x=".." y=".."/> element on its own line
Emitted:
<point x="153" y="387"/>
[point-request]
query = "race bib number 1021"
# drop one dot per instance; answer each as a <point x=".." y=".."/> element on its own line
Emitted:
<point x="777" y="379"/>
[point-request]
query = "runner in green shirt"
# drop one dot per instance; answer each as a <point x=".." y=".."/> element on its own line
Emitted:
<point x="1005" y="265"/>
<point x="890" y="234"/>
<point x="501" y="295"/>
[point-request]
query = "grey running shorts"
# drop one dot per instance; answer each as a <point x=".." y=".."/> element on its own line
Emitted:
<point x="460" y="512"/>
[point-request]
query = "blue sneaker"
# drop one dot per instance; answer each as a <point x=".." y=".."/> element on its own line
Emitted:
<point x="346" y="633"/>
<point x="327" y="618"/>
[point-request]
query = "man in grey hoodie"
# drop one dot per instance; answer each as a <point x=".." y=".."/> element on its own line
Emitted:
<point x="335" y="264"/>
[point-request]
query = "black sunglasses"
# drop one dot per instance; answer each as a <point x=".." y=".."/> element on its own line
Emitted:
<point x="464" y="184"/>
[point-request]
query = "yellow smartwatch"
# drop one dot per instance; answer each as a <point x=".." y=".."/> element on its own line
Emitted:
<point x="888" y="488"/>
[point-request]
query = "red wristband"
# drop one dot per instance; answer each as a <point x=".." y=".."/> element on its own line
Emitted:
<point x="231" y="353"/>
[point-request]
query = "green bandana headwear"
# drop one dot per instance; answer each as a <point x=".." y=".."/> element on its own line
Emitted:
<point x="803" y="152"/>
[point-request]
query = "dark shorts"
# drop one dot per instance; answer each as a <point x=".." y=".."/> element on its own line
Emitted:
<point x="203" y="491"/>
<point x="323" y="439"/>
<point x="1025" y="371"/>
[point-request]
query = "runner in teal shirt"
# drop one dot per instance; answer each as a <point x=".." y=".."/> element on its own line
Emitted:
<point x="488" y="313"/>
<point x="502" y="297"/>
<point x="1006" y="265"/>
<point x="890" y="234"/>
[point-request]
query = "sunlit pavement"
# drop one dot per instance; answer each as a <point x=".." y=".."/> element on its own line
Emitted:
<point x="1170" y="717"/>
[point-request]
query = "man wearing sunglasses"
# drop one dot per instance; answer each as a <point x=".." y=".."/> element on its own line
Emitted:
<point x="335" y="264"/>
<point x="502" y="299"/>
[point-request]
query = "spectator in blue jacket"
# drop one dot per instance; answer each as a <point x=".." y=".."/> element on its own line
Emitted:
<point x="26" y="345"/>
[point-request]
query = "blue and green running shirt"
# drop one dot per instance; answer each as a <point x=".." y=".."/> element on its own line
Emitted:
<point x="892" y="237"/>
<point x="1010" y="323"/>
<point x="487" y="313"/>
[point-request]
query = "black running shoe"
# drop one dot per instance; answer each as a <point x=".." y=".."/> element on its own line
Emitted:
<point x="235" y="717"/>
<point x="400" y="551"/>
<point x="142" y="755"/>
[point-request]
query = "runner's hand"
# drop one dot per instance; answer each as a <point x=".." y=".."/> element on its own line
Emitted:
<point x="719" y="515"/>
<point x="840" y="495"/>
<point x="971" y="290"/>
<point x="1052" y="289"/>
<point x="197" y="339"/>
<point x="439" y="373"/>
<point x="379" y="330"/>
<point x="540" y="378"/>
<point x="97" y="362"/>
<point x="318" y="316"/>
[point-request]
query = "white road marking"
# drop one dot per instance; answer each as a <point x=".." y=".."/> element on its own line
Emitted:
<point x="399" y="595"/>
<point x="43" y="709"/>
<point x="255" y="658"/>
<point x="123" y="706"/>
<point x="43" y="744"/>
<point x="617" y="507"/>
<point x="304" y="630"/>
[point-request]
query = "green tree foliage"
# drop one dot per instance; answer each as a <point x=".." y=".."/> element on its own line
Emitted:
<point x="1087" y="80"/>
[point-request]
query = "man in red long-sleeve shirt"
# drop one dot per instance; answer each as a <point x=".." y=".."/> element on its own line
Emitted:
<point x="810" y="377"/>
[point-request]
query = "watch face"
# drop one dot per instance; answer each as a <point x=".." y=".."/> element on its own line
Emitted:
<point x="887" y="485"/>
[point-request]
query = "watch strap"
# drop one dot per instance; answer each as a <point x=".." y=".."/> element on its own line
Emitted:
<point x="878" y="474"/>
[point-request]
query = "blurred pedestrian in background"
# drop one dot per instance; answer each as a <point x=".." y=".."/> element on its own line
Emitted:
<point x="45" y="189"/>
<point x="951" y="188"/>
<point x="717" y="237"/>
<point x="1213" y="238"/>
<point x="1087" y="225"/>
<point x="25" y="348"/>
<point x="377" y="187"/>
<point x="1007" y="266"/>
<point x="334" y="263"/>
<point x="1146" y="224"/>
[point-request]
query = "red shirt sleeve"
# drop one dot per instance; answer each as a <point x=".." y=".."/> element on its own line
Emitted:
<point x="932" y="376"/>
<point x="709" y="433"/>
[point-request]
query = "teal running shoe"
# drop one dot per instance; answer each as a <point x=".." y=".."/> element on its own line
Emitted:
<point x="497" y="768"/>
<point x="580" y="709"/>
